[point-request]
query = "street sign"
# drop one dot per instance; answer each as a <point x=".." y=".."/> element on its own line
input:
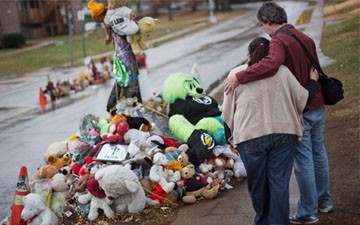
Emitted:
<point x="81" y="15"/>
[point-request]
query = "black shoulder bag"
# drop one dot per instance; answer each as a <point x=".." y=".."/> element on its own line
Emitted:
<point x="332" y="88"/>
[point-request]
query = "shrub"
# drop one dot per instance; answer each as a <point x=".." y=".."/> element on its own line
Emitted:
<point x="13" y="40"/>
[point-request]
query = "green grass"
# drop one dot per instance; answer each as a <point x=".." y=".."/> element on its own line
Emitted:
<point x="56" y="55"/>
<point x="341" y="42"/>
<point x="306" y="15"/>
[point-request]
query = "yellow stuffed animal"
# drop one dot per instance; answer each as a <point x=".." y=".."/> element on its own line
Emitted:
<point x="59" y="162"/>
<point x="137" y="42"/>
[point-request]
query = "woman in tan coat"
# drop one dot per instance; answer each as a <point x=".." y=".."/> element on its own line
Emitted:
<point x="263" y="121"/>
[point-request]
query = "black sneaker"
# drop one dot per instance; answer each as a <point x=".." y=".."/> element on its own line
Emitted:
<point x="303" y="220"/>
<point x="325" y="206"/>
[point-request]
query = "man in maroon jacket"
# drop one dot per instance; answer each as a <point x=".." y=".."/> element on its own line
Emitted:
<point x="311" y="163"/>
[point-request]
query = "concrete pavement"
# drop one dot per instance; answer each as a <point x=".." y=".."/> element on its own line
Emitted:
<point x="233" y="207"/>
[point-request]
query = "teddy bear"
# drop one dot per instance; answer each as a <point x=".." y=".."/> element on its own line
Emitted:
<point x="120" y="18"/>
<point x="59" y="162"/>
<point x="195" y="185"/>
<point x="137" y="42"/>
<point x="178" y="154"/>
<point x="220" y="164"/>
<point x="86" y="172"/>
<point x="97" y="198"/>
<point x="46" y="171"/>
<point x="123" y="187"/>
<point x="238" y="167"/>
<point x="60" y="184"/>
<point x="58" y="148"/>
<point x="35" y="211"/>
<point x="190" y="109"/>
<point x="159" y="174"/>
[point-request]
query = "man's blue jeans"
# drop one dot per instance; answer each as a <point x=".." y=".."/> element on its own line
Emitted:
<point x="269" y="161"/>
<point x="311" y="164"/>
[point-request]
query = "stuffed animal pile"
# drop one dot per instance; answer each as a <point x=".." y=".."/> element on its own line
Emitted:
<point x="81" y="173"/>
<point x="123" y="163"/>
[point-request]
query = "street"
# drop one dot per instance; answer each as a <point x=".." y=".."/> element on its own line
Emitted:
<point x="26" y="133"/>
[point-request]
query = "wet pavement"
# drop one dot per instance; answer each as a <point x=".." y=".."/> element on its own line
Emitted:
<point x="26" y="133"/>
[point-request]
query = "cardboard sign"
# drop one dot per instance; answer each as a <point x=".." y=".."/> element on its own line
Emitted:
<point x="112" y="153"/>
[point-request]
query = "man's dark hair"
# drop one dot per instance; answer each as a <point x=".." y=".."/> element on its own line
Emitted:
<point x="272" y="13"/>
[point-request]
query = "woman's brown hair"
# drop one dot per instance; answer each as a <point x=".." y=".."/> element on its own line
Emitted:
<point x="258" y="49"/>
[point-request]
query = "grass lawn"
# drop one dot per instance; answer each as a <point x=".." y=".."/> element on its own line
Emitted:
<point x="59" y="54"/>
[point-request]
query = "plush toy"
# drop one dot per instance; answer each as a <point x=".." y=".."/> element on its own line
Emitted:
<point x="98" y="13"/>
<point x="238" y="167"/>
<point x="195" y="185"/>
<point x="57" y="148"/>
<point x="60" y="184"/>
<point x="159" y="174"/>
<point x="201" y="146"/>
<point x="120" y="18"/>
<point x="46" y="171"/>
<point x="190" y="109"/>
<point x="59" y="162"/>
<point x="86" y="172"/>
<point x="220" y="164"/>
<point x="137" y="143"/>
<point x="137" y="42"/>
<point x="123" y="187"/>
<point x="117" y="132"/>
<point x="97" y="199"/>
<point x="35" y="211"/>
<point x="178" y="154"/>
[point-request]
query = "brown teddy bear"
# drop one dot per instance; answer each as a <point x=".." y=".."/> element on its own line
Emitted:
<point x="59" y="162"/>
<point x="46" y="171"/>
<point x="195" y="185"/>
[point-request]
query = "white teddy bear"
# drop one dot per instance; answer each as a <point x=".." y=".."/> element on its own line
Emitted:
<point x="159" y="174"/>
<point x="35" y="211"/>
<point x="122" y="186"/>
<point x="60" y="185"/>
<point x="97" y="200"/>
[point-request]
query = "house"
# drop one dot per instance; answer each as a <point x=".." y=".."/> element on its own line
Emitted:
<point x="40" y="18"/>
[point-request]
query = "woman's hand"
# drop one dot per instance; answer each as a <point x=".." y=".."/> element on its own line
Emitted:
<point x="314" y="74"/>
<point x="230" y="84"/>
<point x="234" y="150"/>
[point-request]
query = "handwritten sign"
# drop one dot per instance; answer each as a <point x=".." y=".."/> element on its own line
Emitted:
<point x="112" y="152"/>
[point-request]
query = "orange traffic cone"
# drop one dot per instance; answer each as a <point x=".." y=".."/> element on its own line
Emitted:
<point x="22" y="189"/>
<point x="42" y="97"/>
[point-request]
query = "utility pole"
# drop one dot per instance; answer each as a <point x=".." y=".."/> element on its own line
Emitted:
<point x="69" y="16"/>
<point x="81" y="17"/>
<point x="212" y="18"/>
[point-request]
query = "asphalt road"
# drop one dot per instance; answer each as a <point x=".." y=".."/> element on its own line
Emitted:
<point x="25" y="133"/>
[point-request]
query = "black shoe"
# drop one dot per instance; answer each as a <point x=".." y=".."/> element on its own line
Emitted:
<point x="303" y="220"/>
<point x="325" y="206"/>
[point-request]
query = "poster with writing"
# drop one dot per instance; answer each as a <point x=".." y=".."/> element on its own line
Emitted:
<point x="112" y="153"/>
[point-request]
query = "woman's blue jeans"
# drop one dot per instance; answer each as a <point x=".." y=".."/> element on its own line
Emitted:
<point x="269" y="161"/>
<point x="311" y="164"/>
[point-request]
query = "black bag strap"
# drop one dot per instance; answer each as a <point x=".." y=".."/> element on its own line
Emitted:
<point x="311" y="58"/>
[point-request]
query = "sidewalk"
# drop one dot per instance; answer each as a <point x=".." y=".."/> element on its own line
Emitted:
<point x="233" y="207"/>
